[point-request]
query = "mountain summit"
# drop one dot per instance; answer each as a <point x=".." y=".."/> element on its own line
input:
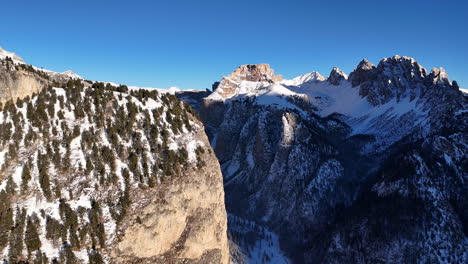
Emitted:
<point x="254" y="73"/>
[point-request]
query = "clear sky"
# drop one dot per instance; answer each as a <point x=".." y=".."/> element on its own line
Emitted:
<point x="191" y="44"/>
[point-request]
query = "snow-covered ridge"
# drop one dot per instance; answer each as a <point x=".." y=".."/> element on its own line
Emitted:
<point x="13" y="56"/>
<point x="72" y="75"/>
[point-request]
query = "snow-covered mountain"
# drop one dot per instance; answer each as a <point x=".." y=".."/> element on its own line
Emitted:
<point x="366" y="168"/>
<point x="96" y="173"/>
<point x="369" y="167"/>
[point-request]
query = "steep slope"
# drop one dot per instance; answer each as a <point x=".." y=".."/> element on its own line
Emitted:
<point x="93" y="173"/>
<point x="331" y="164"/>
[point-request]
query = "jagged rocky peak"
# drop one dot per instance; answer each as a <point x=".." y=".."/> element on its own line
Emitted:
<point x="365" y="65"/>
<point x="402" y="66"/>
<point x="336" y="76"/>
<point x="255" y="73"/>
<point x="361" y="73"/>
<point x="395" y="77"/>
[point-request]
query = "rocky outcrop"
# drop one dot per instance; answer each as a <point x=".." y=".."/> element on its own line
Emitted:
<point x="255" y="73"/>
<point x="16" y="84"/>
<point x="181" y="222"/>
<point x="249" y="72"/>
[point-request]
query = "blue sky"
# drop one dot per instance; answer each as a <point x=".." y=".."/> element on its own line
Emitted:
<point x="191" y="44"/>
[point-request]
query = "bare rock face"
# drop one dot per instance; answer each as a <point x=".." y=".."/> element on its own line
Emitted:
<point x="255" y="73"/>
<point x="249" y="72"/>
<point x="16" y="84"/>
<point x="336" y="76"/>
<point x="18" y="79"/>
<point x="185" y="222"/>
<point x="360" y="74"/>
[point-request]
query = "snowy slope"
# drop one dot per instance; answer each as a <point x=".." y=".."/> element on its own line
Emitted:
<point x="72" y="75"/>
<point x="4" y="54"/>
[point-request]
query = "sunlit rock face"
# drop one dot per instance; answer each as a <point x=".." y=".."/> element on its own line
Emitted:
<point x="230" y="84"/>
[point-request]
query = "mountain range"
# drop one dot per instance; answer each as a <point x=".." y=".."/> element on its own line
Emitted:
<point x="369" y="167"/>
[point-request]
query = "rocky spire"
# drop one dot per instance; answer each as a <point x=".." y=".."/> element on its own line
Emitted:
<point x="336" y="76"/>
<point x="439" y="76"/>
<point x="361" y="73"/>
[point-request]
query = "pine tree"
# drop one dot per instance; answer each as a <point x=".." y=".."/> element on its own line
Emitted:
<point x="97" y="227"/>
<point x="44" y="178"/>
<point x="74" y="240"/>
<point x="67" y="256"/>
<point x="10" y="186"/>
<point x="52" y="229"/>
<point x="40" y="258"/>
<point x="31" y="238"/>
<point x="16" y="237"/>
<point x="94" y="257"/>
<point x="6" y="219"/>
<point x="25" y="177"/>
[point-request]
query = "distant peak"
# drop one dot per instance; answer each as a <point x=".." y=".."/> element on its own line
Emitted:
<point x="70" y="74"/>
<point x="365" y="64"/>
<point x="255" y="73"/>
<point x="336" y="76"/>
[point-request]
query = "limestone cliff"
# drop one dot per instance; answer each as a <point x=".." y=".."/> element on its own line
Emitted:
<point x="20" y="83"/>
<point x="185" y="222"/>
